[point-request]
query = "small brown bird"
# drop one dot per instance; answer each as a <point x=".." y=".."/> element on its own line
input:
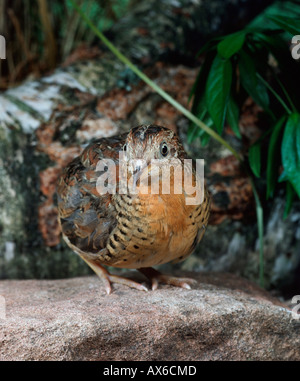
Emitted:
<point x="135" y="229"/>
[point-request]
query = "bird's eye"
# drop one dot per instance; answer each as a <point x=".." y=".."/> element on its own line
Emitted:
<point x="125" y="147"/>
<point x="164" y="150"/>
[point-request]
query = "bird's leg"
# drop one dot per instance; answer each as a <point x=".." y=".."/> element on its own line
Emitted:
<point x="156" y="277"/>
<point x="108" y="278"/>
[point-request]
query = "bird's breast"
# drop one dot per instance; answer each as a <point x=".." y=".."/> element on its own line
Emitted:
<point x="152" y="229"/>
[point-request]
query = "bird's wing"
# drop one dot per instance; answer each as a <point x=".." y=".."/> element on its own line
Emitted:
<point x="87" y="217"/>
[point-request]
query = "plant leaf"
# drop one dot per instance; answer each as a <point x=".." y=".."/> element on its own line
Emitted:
<point x="208" y="46"/>
<point x="290" y="151"/>
<point x="232" y="116"/>
<point x="231" y="44"/>
<point x="274" y="157"/>
<point x="195" y="132"/>
<point x="283" y="177"/>
<point x="198" y="88"/>
<point x="255" y="158"/>
<point x="217" y="90"/>
<point x="199" y="108"/>
<point x="283" y="8"/>
<point x="288" y="24"/>
<point x="255" y="88"/>
<point x="290" y="194"/>
<point x="275" y="44"/>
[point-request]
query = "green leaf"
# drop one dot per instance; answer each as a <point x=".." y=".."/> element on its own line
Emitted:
<point x="283" y="177"/>
<point x="274" y="157"/>
<point x="255" y="158"/>
<point x="288" y="24"/>
<point x="195" y="132"/>
<point x="289" y="198"/>
<point x="274" y="43"/>
<point x="205" y="138"/>
<point x="231" y="44"/>
<point x="191" y="134"/>
<point x="232" y="116"/>
<point x="290" y="150"/>
<point x="199" y="108"/>
<point x="217" y="90"/>
<point x="255" y="88"/>
<point x="283" y="8"/>
<point x="198" y="88"/>
<point x="275" y="93"/>
<point x="277" y="46"/>
<point x="208" y="46"/>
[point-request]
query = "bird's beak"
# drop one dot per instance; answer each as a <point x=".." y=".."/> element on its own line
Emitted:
<point x="138" y="167"/>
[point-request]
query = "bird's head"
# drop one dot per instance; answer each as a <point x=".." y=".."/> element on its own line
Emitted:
<point x="147" y="143"/>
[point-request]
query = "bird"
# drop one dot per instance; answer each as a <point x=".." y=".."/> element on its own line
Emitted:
<point x="109" y="216"/>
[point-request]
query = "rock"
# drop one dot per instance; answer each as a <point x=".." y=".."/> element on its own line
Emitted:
<point x="173" y="30"/>
<point x="223" y="318"/>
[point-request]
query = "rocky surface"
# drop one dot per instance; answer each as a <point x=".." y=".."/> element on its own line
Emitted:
<point x="173" y="30"/>
<point x="45" y="123"/>
<point x="223" y="318"/>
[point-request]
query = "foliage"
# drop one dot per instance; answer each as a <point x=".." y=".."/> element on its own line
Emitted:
<point x="256" y="62"/>
<point x="48" y="32"/>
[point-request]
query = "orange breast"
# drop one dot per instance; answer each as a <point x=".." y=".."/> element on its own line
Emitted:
<point x="162" y="228"/>
<point x="168" y="220"/>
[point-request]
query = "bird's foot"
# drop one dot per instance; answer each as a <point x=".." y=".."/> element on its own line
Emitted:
<point x="108" y="278"/>
<point x="156" y="277"/>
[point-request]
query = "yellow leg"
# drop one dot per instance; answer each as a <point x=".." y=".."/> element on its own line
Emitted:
<point x="156" y="277"/>
<point x="108" y="278"/>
